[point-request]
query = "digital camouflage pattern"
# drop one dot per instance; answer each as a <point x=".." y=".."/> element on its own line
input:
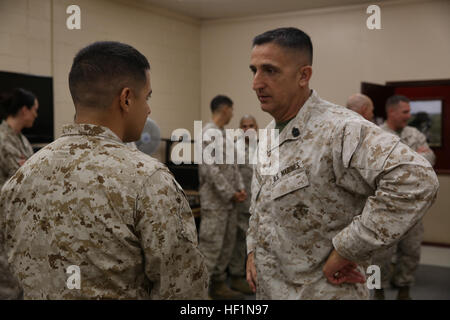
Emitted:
<point x="343" y="183"/>
<point x="218" y="225"/>
<point x="218" y="182"/>
<point x="88" y="200"/>
<point x="414" y="139"/>
<point x="14" y="148"/>
<point x="408" y="249"/>
<point x="237" y="263"/>
<point x="246" y="171"/>
<point x="407" y="252"/>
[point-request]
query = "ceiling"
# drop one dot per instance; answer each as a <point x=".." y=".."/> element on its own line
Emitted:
<point x="218" y="9"/>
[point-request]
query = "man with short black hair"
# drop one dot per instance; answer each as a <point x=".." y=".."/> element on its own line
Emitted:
<point x="398" y="112"/>
<point x="344" y="188"/>
<point x="408" y="249"/>
<point x="221" y="187"/>
<point x="87" y="202"/>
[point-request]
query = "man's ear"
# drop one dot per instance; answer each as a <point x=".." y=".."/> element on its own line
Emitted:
<point x="22" y="110"/>
<point x="305" y="75"/>
<point x="389" y="111"/>
<point x="125" y="99"/>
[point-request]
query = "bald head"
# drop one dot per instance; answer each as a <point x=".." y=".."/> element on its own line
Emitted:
<point x="361" y="104"/>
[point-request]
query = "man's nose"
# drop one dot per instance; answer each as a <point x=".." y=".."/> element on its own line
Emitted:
<point x="257" y="82"/>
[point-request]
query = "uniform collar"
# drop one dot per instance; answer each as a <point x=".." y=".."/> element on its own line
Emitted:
<point x="387" y="128"/>
<point x="215" y="126"/>
<point x="85" y="129"/>
<point x="294" y="128"/>
<point x="5" y="126"/>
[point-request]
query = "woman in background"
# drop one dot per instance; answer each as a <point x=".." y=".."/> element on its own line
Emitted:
<point x="19" y="110"/>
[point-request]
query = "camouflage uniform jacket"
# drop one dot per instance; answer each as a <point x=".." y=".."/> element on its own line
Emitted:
<point x="246" y="171"/>
<point x="218" y="182"/>
<point x="119" y="215"/>
<point x="342" y="183"/>
<point x="14" y="147"/>
<point x="414" y="139"/>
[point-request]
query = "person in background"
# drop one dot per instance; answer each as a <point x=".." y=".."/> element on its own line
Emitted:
<point x="20" y="109"/>
<point x="362" y="104"/>
<point x="407" y="250"/>
<point x="221" y="187"/>
<point x="237" y="263"/>
<point x="398" y="112"/>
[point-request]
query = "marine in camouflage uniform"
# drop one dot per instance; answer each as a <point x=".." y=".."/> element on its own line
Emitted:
<point x="119" y="215"/>
<point x="14" y="149"/>
<point x="218" y="225"/>
<point x="344" y="184"/>
<point x="408" y="249"/>
<point x="414" y="139"/>
<point x="237" y="263"/>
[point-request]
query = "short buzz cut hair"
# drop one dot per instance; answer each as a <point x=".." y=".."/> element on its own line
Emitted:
<point x="291" y="38"/>
<point x="393" y="101"/>
<point x="220" y="100"/>
<point x="102" y="69"/>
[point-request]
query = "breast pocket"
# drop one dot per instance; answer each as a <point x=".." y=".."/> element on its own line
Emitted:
<point x="285" y="186"/>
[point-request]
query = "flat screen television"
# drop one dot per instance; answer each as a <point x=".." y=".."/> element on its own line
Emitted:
<point x="42" y="87"/>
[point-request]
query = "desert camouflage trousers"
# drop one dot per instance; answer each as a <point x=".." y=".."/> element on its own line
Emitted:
<point x="9" y="287"/>
<point x="238" y="258"/>
<point x="217" y="237"/>
<point x="407" y="253"/>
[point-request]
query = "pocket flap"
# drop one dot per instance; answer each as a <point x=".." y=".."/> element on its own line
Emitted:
<point x="289" y="184"/>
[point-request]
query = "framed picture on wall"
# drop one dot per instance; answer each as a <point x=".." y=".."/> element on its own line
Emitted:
<point x="426" y="116"/>
<point x="429" y="96"/>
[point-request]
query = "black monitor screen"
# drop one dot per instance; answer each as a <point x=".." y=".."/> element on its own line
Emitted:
<point x="42" y="87"/>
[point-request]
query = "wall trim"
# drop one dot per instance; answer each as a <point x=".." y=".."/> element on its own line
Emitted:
<point x="159" y="11"/>
<point x="436" y="244"/>
<point x="419" y="83"/>
<point x="312" y="12"/>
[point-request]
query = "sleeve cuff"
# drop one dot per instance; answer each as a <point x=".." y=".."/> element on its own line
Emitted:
<point x="350" y="246"/>
<point x="228" y="195"/>
<point x="251" y="244"/>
